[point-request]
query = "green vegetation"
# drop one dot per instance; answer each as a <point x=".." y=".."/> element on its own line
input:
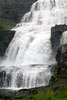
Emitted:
<point x="51" y="94"/>
<point x="38" y="96"/>
<point x="56" y="91"/>
<point x="6" y="24"/>
<point x="59" y="94"/>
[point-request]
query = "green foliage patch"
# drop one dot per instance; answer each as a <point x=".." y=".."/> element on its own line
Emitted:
<point x="60" y="94"/>
<point x="6" y="24"/>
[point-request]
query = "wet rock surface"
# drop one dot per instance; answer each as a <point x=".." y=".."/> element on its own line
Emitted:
<point x="61" y="56"/>
<point x="60" y="71"/>
<point x="18" y="94"/>
<point x="5" y="38"/>
<point x="56" y="34"/>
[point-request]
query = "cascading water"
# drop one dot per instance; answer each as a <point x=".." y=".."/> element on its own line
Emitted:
<point x="29" y="54"/>
<point x="63" y="39"/>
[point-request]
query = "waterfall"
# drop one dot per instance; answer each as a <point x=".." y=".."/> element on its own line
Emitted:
<point x="29" y="55"/>
<point x="63" y="39"/>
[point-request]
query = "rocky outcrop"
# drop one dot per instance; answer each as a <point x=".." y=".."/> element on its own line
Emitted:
<point x="58" y="82"/>
<point x="11" y="11"/>
<point x="60" y="71"/>
<point x="61" y="56"/>
<point x="5" y="38"/>
<point x="61" y="59"/>
<point x="56" y="33"/>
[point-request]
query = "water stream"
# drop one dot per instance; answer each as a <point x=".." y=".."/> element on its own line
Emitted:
<point x="29" y="55"/>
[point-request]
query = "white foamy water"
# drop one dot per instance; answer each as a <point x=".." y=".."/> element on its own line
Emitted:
<point x="63" y="39"/>
<point x="31" y="45"/>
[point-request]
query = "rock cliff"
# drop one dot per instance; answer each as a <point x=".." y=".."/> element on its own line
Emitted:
<point x="56" y="34"/>
<point x="5" y="38"/>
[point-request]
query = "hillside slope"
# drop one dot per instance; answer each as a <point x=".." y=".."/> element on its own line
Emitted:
<point x="11" y="11"/>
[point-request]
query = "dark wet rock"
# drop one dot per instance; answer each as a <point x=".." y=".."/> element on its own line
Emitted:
<point x="26" y="93"/>
<point x="61" y="59"/>
<point x="61" y="56"/>
<point x="5" y="38"/>
<point x="5" y="79"/>
<point x="56" y="33"/>
<point x="2" y="76"/>
<point x="52" y="79"/>
<point x="7" y="93"/>
<point x="59" y="78"/>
